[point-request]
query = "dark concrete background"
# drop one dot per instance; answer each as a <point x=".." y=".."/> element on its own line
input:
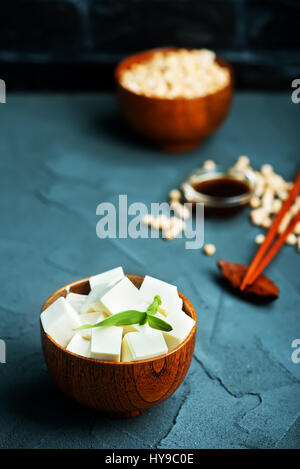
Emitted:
<point x="63" y="155"/>
<point x="75" y="44"/>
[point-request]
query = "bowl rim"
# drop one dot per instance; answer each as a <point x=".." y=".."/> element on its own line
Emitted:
<point x="137" y="55"/>
<point x="132" y="363"/>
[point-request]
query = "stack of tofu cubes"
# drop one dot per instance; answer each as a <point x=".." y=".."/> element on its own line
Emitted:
<point x="112" y="292"/>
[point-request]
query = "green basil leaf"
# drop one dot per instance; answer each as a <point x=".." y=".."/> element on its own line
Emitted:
<point x="159" y="324"/>
<point x="152" y="309"/>
<point x="124" y="318"/>
<point x="143" y="321"/>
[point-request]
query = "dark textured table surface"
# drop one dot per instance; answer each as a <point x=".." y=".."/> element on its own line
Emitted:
<point x="63" y="155"/>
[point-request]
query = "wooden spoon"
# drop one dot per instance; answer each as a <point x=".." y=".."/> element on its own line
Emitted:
<point x="262" y="290"/>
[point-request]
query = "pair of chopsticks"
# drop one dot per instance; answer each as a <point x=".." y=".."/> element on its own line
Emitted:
<point x="259" y="262"/>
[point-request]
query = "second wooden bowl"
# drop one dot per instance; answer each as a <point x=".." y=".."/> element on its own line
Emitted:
<point x="117" y="389"/>
<point x="177" y="124"/>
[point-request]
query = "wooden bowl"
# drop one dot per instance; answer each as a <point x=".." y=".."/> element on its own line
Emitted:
<point x="177" y="124"/>
<point x="118" y="389"/>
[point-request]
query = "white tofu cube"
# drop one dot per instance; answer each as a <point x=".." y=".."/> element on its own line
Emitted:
<point x="137" y="346"/>
<point x="169" y="295"/>
<point x="76" y="300"/>
<point x="90" y="318"/>
<point x="106" y="343"/>
<point x="182" y="325"/>
<point x="113" y="275"/>
<point x="59" y="320"/>
<point x="92" y="302"/>
<point x="79" y="346"/>
<point x="121" y="297"/>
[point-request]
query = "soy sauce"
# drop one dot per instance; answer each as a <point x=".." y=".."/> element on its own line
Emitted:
<point x="222" y="187"/>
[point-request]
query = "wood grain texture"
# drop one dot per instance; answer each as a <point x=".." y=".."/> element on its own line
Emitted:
<point x="262" y="290"/>
<point x="117" y="389"/>
<point x="173" y="124"/>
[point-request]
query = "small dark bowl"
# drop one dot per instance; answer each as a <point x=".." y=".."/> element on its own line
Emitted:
<point x="177" y="124"/>
<point x="118" y="389"/>
<point x="219" y="206"/>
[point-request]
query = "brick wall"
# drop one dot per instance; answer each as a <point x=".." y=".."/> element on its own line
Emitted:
<point x="74" y="44"/>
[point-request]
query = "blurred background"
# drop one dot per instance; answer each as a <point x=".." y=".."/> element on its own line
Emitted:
<point x="73" y="45"/>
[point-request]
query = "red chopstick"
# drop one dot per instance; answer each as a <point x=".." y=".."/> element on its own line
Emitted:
<point x="271" y="233"/>
<point x="274" y="249"/>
